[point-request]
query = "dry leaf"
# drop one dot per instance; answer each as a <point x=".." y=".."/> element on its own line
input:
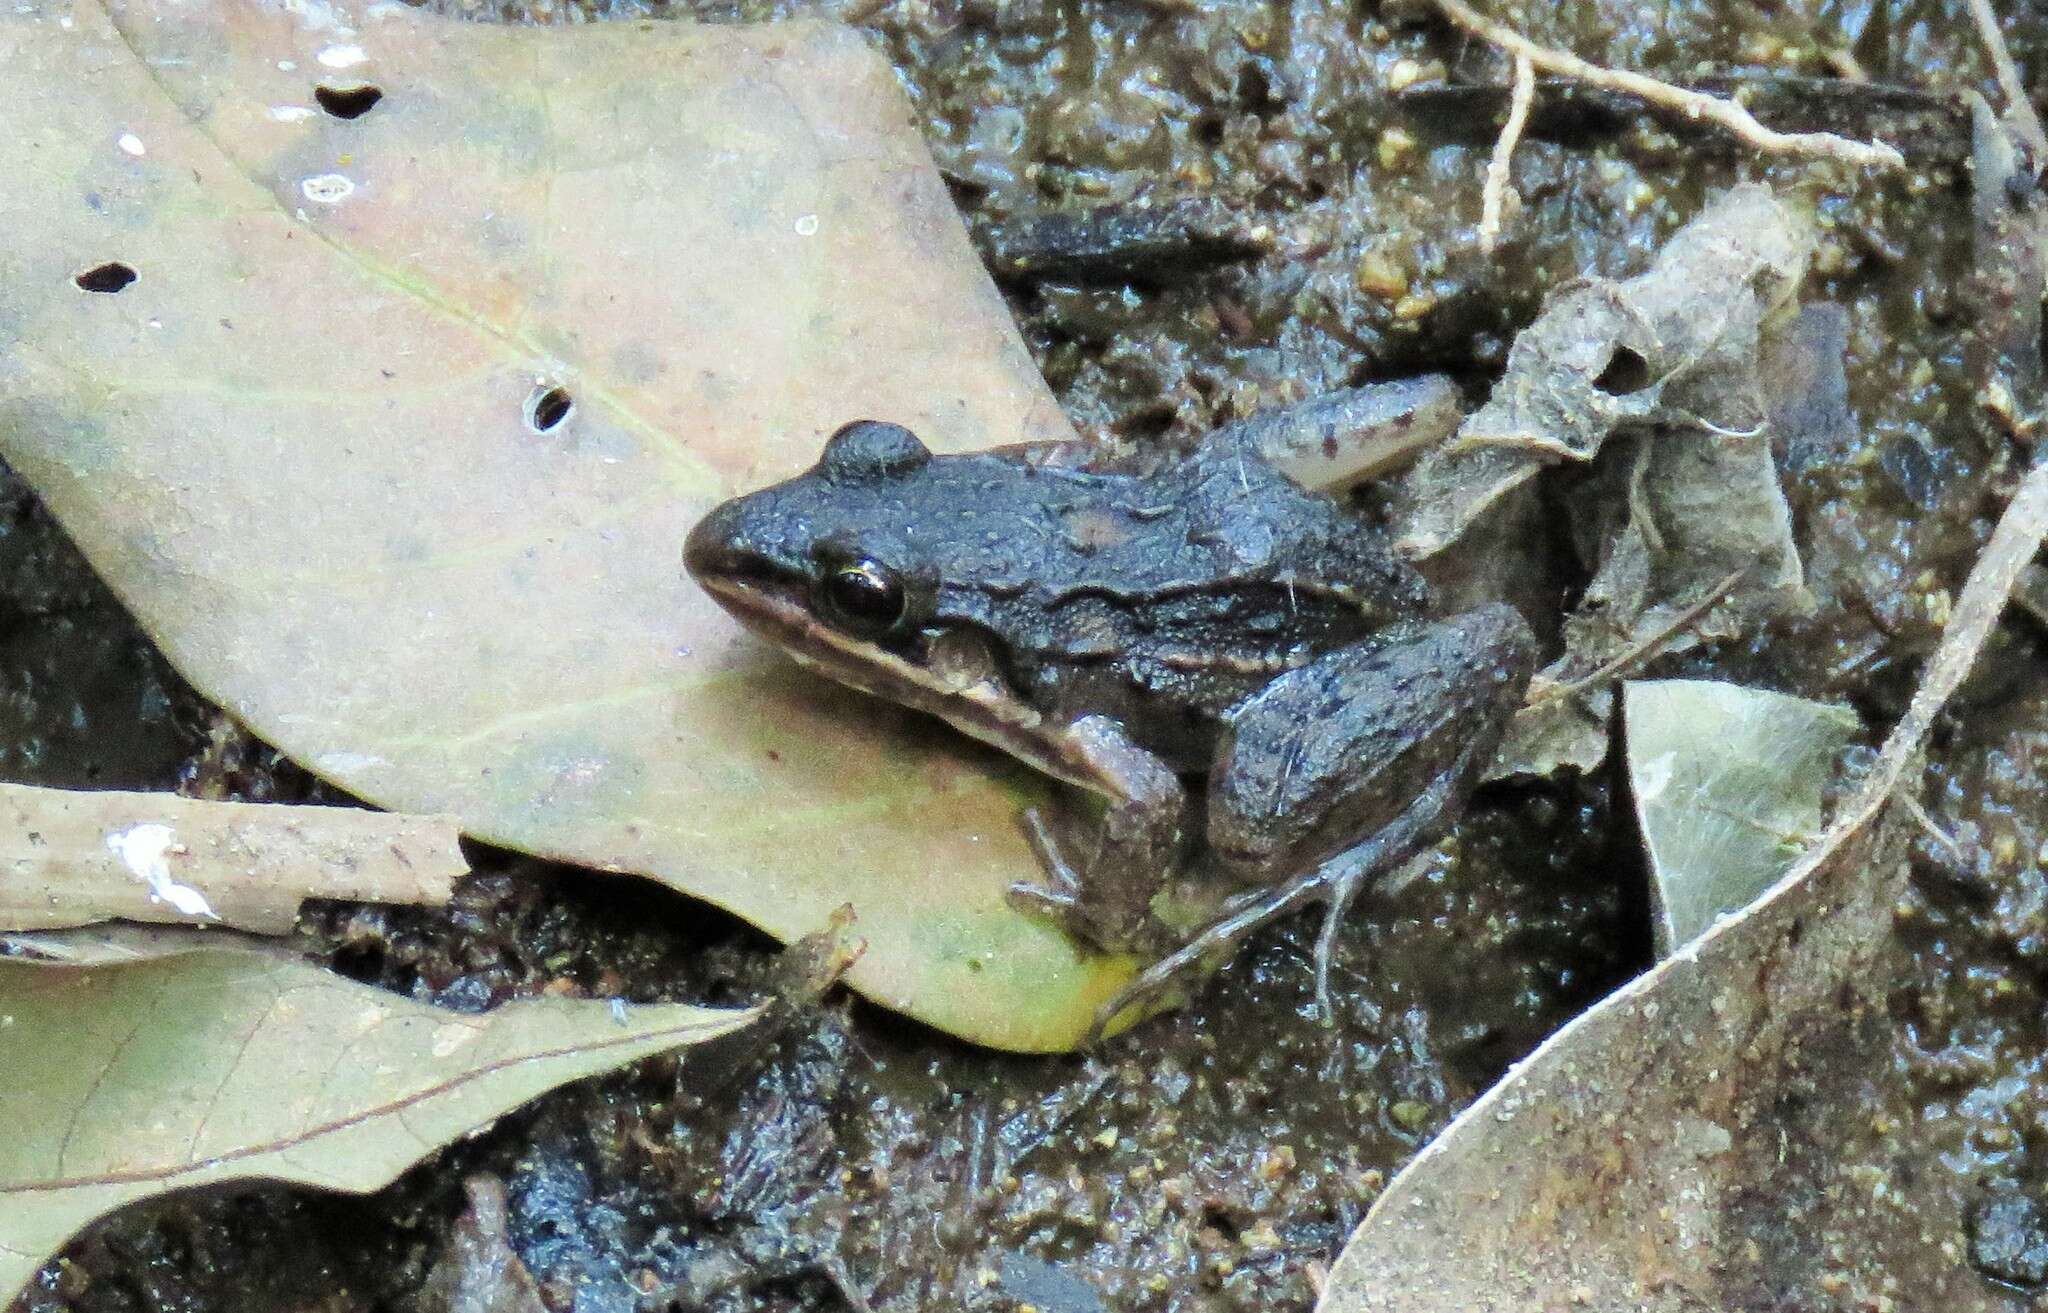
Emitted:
<point x="1660" y="379"/>
<point x="1674" y="347"/>
<point x="394" y="436"/>
<point x="69" y="858"/>
<point x="130" y="1081"/>
<point x="1715" y="1134"/>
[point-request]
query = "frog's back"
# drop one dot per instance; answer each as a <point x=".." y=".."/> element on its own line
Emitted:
<point x="1165" y="598"/>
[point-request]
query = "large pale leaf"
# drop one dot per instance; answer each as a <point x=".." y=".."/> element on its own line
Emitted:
<point x="302" y="443"/>
<point x="125" y="1082"/>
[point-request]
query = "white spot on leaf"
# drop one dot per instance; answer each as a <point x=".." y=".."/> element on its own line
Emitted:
<point x="328" y="188"/>
<point x="142" y="849"/>
<point x="453" y="1037"/>
<point x="341" y="56"/>
<point x="131" y="143"/>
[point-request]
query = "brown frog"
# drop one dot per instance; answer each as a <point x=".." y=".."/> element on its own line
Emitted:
<point x="1131" y="625"/>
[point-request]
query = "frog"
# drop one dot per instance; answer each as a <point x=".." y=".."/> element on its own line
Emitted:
<point x="1239" y="668"/>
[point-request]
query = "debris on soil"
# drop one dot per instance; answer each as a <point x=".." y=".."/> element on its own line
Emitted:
<point x="1124" y="242"/>
<point x="1682" y="1076"/>
<point x="478" y="1272"/>
<point x="1662" y="373"/>
<point x="2009" y="1240"/>
<point x="1730" y="115"/>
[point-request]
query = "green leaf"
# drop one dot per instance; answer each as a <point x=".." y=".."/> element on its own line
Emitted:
<point x="127" y="1082"/>
<point x="309" y="444"/>
<point x="1728" y="783"/>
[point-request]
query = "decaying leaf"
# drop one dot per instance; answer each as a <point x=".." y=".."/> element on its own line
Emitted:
<point x="390" y="428"/>
<point x="1659" y="379"/>
<point x="127" y="1082"/>
<point x="69" y="858"/>
<point x="1728" y="784"/>
<point x="1674" y="346"/>
<point x="1715" y="1134"/>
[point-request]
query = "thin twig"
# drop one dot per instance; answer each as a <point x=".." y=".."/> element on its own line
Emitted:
<point x="1491" y="200"/>
<point x="1637" y="651"/>
<point x="1726" y="114"/>
<point x="2014" y="541"/>
<point x="1940" y="836"/>
<point x="2017" y="106"/>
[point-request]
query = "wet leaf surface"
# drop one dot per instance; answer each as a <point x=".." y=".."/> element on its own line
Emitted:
<point x="388" y="415"/>
<point x="126" y="1082"/>
<point x="1728" y="784"/>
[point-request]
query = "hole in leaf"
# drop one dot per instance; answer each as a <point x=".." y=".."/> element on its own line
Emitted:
<point x="348" y="102"/>
<point x="547" y="408"/>
<point x="1626" y="372"/>
<point x="109" y="277"/>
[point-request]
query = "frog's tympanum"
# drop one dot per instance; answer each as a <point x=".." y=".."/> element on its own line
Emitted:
<point x="1129" y="625"/>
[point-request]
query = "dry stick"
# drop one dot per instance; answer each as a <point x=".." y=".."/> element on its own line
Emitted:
<point x="2017" y="105"/>
<point x="1494" y="196"/>
<point x="1726" y="114"/>
<point x="1640" y="650"/>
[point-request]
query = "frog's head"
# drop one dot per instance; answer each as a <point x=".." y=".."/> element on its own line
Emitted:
<point x="841" y="567"/>
<point x="827" y="545"/>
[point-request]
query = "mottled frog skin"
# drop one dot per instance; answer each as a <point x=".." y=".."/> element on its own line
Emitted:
<point x="1136" y="625"/>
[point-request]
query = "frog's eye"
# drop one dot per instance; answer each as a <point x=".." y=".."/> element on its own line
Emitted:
<point x="864" y="596"/>
<point x="869" y="449"/>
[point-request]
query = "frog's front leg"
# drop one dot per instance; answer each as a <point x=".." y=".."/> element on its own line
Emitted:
<point x="1338" y="771"/>
<point x="1105" y="894"/>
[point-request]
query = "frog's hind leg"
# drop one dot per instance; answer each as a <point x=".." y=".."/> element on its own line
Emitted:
<point x="1339" y="770"/>
<point x="1335" y="883"/>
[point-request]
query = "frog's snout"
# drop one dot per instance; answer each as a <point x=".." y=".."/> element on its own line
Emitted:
<point x="708" y="551"/>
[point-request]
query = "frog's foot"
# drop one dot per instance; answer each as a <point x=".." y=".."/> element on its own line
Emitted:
<point x="1247" y="913"/>
<point x="1098" y="893"/>
<point x="1060" y="892"/>
<point x="1335" y="883"/>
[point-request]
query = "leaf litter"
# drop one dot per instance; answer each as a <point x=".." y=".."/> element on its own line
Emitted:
<point x="1657" y="382"/>
<point x="124" y="1082"/>
<point x="73" y="857"/>
<point x="1729" y="785"/>
<point x="1705" y="1137"/>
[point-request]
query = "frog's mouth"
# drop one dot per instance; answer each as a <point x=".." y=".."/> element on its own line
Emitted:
<point x="968" y="694"/>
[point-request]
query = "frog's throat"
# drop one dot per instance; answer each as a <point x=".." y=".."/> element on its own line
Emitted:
<point x="983" y="708"/>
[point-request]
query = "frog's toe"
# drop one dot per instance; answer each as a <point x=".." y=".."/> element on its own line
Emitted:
<point x="1219" y="938"/>
<point x="1051" y="850"/>
<point x="1041" y="900"/>
<point x="1344" y="884"/>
